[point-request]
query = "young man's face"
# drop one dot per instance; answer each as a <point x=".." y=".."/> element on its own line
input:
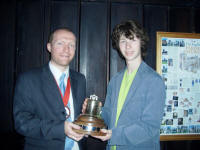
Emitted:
<point x="62" y="48"/>
<point x="130" y="49"/>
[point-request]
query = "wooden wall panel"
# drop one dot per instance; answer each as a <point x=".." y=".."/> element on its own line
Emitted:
<point x="93" y="59"/>
<point x="7" y="65"/>
<point x="93" y="39"/>
<point x="180" y="19"/>
<point x="197" y="19"/>
<point x="155" y="19"/>
<point x="9" y="138"/>
<point x="121" y="12"/>
<point x="29" y="35"/>
<point x="66" y="14"/>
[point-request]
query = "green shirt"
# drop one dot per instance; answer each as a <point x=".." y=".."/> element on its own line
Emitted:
<point x="124" y="89"/>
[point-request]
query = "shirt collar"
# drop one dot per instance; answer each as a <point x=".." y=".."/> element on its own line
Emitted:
<point x="56" y="72"/>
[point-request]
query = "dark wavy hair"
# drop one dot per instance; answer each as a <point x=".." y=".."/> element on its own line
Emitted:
<point x="129" y="29"/>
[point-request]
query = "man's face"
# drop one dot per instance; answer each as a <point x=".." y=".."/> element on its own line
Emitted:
<point x="62" y="48"/>
<point x="130" y="49"/>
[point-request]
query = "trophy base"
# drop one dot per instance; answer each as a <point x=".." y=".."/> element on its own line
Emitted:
<point x="93" y="133"/>
<point x="90" y="125"/>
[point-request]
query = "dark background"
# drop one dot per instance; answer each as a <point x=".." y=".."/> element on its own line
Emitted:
<point x="24" y="30"/>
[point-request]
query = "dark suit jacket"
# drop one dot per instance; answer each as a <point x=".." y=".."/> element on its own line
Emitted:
<point x="39" y="113"/>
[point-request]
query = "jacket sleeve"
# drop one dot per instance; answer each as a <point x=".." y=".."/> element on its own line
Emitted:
<point x="27" y="122"/>
<point x="148" y="125"/>
<point x="106" y="110"/>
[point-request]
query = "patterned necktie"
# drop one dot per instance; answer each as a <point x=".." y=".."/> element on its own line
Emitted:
<point x="69" y="143"/>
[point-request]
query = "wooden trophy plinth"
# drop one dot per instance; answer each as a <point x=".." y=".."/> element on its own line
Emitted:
<point x="90" y="125"/>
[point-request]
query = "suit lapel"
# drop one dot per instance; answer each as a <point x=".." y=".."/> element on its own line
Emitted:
<point x="118" y="85"/>
<point x="135" y="84"/>
<point x="51" y="88"/>
<point x="74" y="84"/>
<point x="53" y="93"/>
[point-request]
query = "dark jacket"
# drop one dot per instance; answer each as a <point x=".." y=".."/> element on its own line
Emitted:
<point x="39" y="113"/>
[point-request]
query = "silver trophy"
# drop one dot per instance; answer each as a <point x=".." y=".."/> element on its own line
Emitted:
<point x="91" y="122"/>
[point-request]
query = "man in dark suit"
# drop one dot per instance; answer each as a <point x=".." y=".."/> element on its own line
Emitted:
<point x="45" y="104"/>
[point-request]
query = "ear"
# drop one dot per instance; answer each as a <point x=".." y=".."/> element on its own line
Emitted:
<point x="49" y="47"/>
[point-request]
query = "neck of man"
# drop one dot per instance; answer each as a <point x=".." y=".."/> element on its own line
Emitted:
<point x="133" y="65"/>
<point x="62" y="68"/>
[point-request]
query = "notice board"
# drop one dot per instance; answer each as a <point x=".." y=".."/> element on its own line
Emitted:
<point x="178" y="62"/>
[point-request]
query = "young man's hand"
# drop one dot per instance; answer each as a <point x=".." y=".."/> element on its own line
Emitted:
<point x="106" y="137"/>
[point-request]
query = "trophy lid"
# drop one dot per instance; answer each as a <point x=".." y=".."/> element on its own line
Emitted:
<point x="93" y="97"/>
